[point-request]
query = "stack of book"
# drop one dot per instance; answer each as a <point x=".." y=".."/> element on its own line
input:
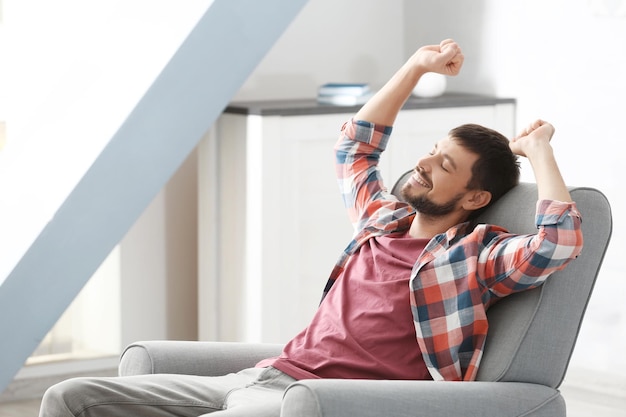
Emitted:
<point x="344" y="94"/>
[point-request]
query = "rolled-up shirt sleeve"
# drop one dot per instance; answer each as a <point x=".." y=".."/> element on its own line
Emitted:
<point x="357" y="153"/>
<point x="515" y="263"/>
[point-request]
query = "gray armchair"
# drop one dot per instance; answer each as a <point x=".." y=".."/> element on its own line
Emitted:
<point x="531" y="339"/>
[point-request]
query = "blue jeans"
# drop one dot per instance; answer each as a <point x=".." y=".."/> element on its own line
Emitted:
<point x="252" y="392"/>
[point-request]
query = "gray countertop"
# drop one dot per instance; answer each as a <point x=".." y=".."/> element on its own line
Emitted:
<point x="303" y="107"/>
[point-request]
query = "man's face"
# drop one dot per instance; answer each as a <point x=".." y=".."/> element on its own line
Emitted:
<point x="439" y="181"/>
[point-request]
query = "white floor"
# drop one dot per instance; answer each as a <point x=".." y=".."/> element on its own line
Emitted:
<point x="593" y="405"/>
<point x="27" y="408"/>
<point x="594" y="395"/>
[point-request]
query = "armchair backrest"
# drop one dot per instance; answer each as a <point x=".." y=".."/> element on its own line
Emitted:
<point x="532" y="334"/>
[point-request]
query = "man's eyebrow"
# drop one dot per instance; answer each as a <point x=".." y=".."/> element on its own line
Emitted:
<point x="447" y="158"/>
<point x="450" y="160"/>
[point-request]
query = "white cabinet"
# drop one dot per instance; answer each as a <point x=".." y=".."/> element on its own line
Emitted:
<point x="272" y="223"/>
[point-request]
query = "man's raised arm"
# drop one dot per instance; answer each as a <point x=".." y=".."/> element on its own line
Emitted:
<point x="534" y="143"/>
<point x="383" y="108"/>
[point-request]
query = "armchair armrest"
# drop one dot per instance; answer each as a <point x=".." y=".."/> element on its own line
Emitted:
<point x="365" y="398"/>
<point x="193" y="358"/>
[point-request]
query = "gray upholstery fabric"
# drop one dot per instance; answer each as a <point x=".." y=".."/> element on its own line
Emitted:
<point x="548" y="344"/>
<point x="531" y="338"/>
<point x="349" y="398"/>
<point x="192" y="358"/>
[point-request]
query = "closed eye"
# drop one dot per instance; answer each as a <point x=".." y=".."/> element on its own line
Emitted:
<point x="445" y="158"/>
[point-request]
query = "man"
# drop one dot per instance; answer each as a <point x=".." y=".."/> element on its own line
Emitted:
<point x="407" y="298"/>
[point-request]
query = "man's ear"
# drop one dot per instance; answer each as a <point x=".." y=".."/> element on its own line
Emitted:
<point x="476" y="199"/>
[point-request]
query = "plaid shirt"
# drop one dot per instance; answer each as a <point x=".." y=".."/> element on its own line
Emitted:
<point x="461" y="272"/>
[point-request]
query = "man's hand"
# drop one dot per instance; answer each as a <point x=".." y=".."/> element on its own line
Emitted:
<point x="534" y="143"/>
<point x="534" y="138"/>
<point x="445" y="58"/>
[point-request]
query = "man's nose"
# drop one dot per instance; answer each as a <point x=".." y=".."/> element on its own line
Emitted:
<point x="424" y="164"/>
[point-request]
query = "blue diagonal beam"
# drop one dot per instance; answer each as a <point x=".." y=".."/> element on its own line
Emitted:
<point x="194" y="87"/>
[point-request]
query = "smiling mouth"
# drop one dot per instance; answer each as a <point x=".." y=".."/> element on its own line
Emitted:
<point x="416" y="179"/>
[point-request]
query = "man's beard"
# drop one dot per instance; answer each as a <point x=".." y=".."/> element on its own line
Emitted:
<point x="424" y="205"/>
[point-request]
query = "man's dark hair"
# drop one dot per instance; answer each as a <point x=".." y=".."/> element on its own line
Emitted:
<point x="497" y="169"/>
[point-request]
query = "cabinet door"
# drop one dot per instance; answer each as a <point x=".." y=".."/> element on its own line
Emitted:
<point x="315" y="226"/>
<point x="274" y="224"/>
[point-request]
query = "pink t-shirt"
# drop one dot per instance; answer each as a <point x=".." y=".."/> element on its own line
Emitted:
<point x="364" y="327"/>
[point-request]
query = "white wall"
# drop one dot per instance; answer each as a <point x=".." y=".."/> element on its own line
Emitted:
<point x="331" y="41"/>
<point x="71" y="72"/>
<point x="565" y="62"/>
<point x="159" y="264"/>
